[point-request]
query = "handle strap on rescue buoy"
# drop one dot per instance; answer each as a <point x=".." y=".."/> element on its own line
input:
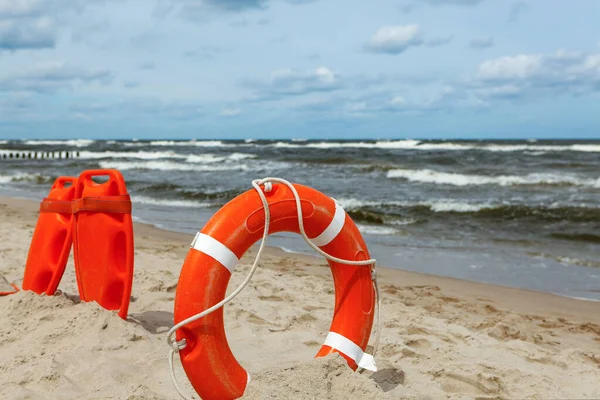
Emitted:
<point x="336" y="341"/>
<point x="55" y="206"/>
<point x="108" y="204"/>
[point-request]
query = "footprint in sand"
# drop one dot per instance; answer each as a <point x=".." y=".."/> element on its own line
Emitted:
<point x="388" y="378"/>
<point x="312" y="343"/>
<point x="480" y="384"/>
<point x="546" y="361"/>
<point x="255" y="319"/>
<point x="419" y="343"/>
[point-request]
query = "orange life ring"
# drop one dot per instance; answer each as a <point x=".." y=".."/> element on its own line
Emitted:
<point x="207" y="358"/>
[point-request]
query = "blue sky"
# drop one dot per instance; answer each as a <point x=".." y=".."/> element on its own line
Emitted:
<point x="299" y="68"/>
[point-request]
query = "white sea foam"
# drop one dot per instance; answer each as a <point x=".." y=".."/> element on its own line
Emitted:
<point x="201" y="143"/>
<point x="212" y="158"/>
<point x="409" y="144"/>
<point x="448" y="178"/>
<point x="375" y="230"/>
<point x="75" y="142"/>
<point x="170" y="203"/>
<point x="23" y="177"/>
<point x="171" y="166"/>
<point x="142" y="155"/>
<point x="442" y="205"/>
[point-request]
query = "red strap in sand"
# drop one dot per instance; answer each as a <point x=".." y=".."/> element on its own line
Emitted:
<point x="13" y="292"/>
<point x="55" y="206"/>
<point x="108" y="204"/>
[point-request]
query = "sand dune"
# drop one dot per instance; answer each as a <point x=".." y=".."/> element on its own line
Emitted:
<point x="441" y="338"/>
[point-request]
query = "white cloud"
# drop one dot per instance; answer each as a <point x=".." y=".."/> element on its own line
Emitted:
<point x="510" y="67"/>
<point x="395" y="39"/>
<point x="230" y="112"/>
<point x="526" y="73"/>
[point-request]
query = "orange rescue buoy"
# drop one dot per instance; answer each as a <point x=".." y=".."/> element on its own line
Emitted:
<point x="103" y="240"/>
<point x="206" y="356"/>
<point x="51" y="241"/>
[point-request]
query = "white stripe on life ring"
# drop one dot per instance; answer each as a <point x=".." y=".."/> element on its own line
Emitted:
<point x="215" y="249"/>
<point x="334" y="228"/>
<point x="351" y="349"/>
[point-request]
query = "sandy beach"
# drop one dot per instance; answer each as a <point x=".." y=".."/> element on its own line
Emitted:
<point x="441" y="338"/>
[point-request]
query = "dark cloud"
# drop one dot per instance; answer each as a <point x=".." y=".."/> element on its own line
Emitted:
<point x="37" y="33"/>
<point x="481" y="43"/>
<point x="52" y="77"/>
<point x="34" y="24"/>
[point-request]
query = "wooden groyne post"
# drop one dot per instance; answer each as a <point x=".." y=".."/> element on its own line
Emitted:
<point x="18" y="154"/>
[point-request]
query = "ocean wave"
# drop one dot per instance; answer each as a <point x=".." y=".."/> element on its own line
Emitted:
<point x="74" y="142"/>
<point x="170" y="203"/>
<point x="407" y="213"/>
<point x="436" y="206"/>
<point x="402" y="144"/>
<point x="567" y="260"/>
<point x="577" y="237"/>
<point x="449" y="178"/>
<point x="200" y="143"/>
<point x="220" y="196"/>
<point x="376" y="230"/>
<point x="171" y="166"/>
<point x="212" y="158"/>
<point x="409" y="144"/>
<point x="27" y="177"/>
<point x="142" y="155"/>
<point x="34" y="178"/>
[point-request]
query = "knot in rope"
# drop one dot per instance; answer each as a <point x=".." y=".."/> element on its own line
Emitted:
<point x="177" y="346"/>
